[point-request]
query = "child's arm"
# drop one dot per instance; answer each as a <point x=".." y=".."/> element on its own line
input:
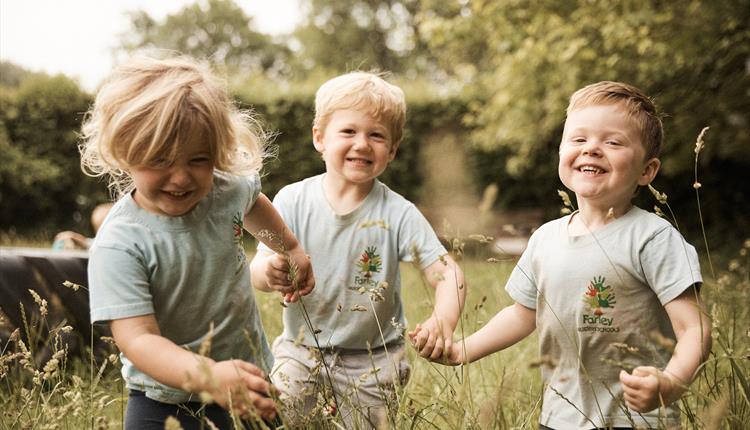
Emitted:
<point x="435" y="335"/>
<point x="505" y="329"/>
<point x="274" y="271"/>
<point x="647" y="387"/>
<point x="139" y="338"/>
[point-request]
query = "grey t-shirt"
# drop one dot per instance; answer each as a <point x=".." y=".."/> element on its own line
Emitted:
<point x="190" y="272"/>
<point x="355" y="259"/>
<point x="599" y="301"/>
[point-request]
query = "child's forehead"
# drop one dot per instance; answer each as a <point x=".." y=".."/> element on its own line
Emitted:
<point x="353" y="112"/>
<point x="591" y="112"/>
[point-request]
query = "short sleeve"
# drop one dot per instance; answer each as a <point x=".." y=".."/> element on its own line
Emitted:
<point x="253" y="182"/>
<point x="118" y="285"/>
<point x="670" y="264"/>
<point x="521" y="285"/>
<point x="417" y="240"/>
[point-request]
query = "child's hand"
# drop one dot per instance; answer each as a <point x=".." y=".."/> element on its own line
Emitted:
<point x="432" y="338"/>
<point x="302" y="280"/>
<point x="243" y="387"/>
<point x="452" y="355"/>
<point x="280" y="276"/>
<point x="647" y="388"/>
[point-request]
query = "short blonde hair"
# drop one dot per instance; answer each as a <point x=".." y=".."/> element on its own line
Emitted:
<point x="362" y="91"/>
<point x="637" y="105"/>
<point x="149" y="108"/>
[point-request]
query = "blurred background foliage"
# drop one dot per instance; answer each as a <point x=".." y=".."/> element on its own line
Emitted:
<point x="496" y="76"/>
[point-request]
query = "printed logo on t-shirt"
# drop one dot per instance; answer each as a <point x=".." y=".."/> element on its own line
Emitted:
<point x="237" y="233"/>
<point x="599" y="299"/>
<point x="369" y="263"/>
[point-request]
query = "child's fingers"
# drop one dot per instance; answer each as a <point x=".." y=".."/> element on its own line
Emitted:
<point x="308" y="286"/>
<point x="437" y="351"/>
<point x="279" y="263"/>
<point x="249" y="368"/>
<point x="641" y="378"/>
<point x="251" y="404"/>
<point x="413" y="334"/>
<point x="257" y="384"/>
<point x="448" y="348"/>
<point x="641" y="388"/>
<point x="421" y="339"/>
<point x="645" y="371"/>
<point x="429" y="346"/>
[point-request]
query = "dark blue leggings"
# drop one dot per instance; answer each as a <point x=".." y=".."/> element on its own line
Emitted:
<point x="147" y="414"/>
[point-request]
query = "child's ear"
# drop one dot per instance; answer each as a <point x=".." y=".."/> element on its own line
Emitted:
<point x="393" y="151"/>
<point x="317" y="135"/>
<point x="650" y="169"/>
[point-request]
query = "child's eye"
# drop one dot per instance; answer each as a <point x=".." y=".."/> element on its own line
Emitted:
<point x="378" y="136"/>
<point x="578" y="140"/>
<point x="348" y="131"/>
<point x="200" y="160"/>
<point x="613" y="143"/>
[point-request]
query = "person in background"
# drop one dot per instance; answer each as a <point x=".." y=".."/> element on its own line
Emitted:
<point x="75" y="240"/>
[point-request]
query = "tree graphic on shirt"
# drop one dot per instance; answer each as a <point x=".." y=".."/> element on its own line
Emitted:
<point x="370" y="262"/>
<point x="598" y="295"/>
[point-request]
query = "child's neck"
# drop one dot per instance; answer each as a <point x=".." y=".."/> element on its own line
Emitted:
<point x="343" y="196"/>
<point x="591" y="218"/>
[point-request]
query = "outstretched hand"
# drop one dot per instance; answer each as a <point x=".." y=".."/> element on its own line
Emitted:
<point x="432" y="338"/>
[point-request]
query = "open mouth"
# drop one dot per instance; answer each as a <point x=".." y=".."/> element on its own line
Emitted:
<point x="177" y="194"/>
<point x="359" y="161"/>
<point x="591" y="170"/>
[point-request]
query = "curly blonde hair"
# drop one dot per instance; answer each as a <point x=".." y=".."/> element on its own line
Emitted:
<point x="149" y="108"/>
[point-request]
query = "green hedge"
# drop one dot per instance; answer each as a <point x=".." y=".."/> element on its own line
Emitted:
<point x="42" y="189"/>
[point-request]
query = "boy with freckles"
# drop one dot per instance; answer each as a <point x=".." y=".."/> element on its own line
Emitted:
<point x="602" y="282"/>
<point x="357" y="231"/>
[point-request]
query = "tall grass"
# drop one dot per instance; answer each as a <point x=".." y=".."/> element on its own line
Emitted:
<point x="502" y="391"/>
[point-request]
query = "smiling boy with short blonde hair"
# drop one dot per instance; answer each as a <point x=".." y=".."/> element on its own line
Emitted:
<point x="600" y="282"/>
<point x="357" y="231"/>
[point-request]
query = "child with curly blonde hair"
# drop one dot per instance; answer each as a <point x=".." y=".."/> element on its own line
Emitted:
<point x="167" y="270"/>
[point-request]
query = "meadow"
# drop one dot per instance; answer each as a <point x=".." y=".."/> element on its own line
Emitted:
<point x="502" y="391"/>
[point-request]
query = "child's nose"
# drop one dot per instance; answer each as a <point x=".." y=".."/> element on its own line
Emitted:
<point x="360" y="142"/>
<point x="592" y="148"/>
<point x="180" y="176"/>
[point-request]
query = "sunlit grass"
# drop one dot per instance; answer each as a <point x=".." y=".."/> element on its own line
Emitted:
<point x="501" y="391"/>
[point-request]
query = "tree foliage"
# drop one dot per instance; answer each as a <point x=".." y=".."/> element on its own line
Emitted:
<point x="521" y="61"/>
<point x="506" y="69"/>
<point x="528" y="57"/>
<point x="361" y="34"/>
<point x="41" y="184"/>
<point x="217" y="30"/>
